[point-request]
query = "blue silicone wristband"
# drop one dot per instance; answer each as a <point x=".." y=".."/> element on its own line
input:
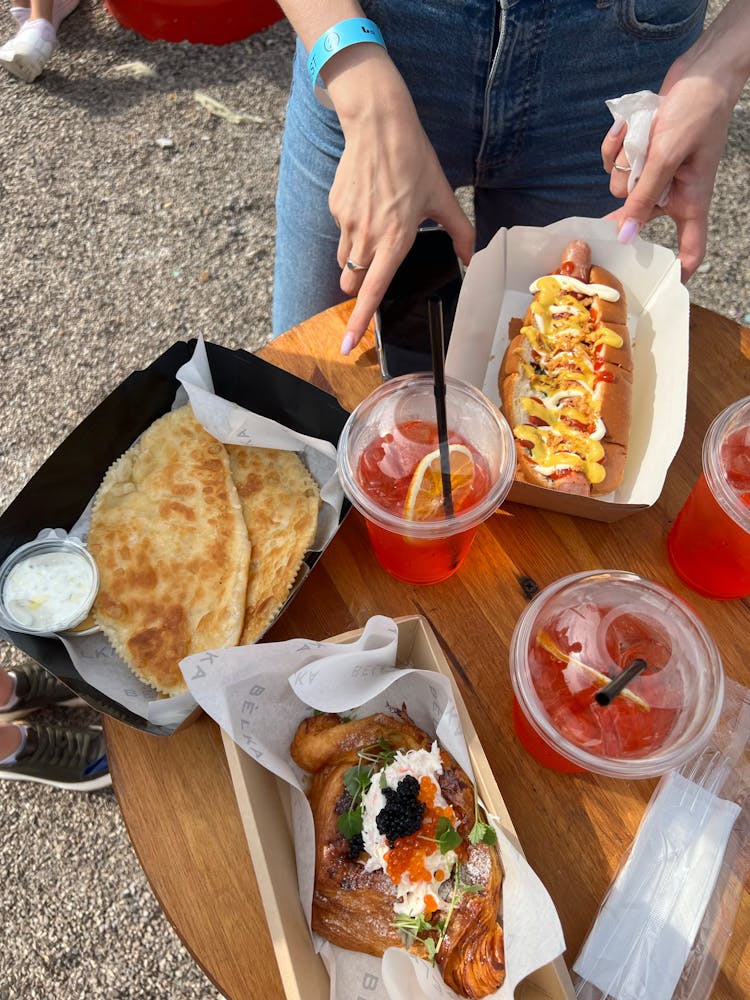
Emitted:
<point x="340" y="36"/>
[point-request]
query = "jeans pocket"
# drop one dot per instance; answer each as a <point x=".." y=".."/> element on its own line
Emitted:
<point x="654" y="19"/>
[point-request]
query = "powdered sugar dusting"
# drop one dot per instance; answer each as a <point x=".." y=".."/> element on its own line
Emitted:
<point x="478" y="865"/>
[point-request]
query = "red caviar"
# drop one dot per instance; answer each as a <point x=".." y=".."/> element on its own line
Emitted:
<point x="409" y="854"/>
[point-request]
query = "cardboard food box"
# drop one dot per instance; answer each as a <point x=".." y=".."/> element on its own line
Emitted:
<point x="59" y="491"/>
<point x="496" y="289"/>
<point x="263" y="802"/>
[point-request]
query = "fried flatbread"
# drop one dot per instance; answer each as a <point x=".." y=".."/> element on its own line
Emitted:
<point x="280" y="501"/>
<point x="169" y="538"/>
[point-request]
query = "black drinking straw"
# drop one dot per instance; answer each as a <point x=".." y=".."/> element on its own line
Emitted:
<point x="609" y="692"/>
<point x="435" y="315"/>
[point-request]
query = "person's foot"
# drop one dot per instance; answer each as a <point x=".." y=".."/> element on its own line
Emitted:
<point x="65" y="757"/>
<point x="20" y="14"/>
<point x="29" y="51"/>
<point x="36" y="688"/>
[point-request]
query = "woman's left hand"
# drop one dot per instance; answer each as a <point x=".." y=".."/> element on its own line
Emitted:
<point x="688" y="136"/>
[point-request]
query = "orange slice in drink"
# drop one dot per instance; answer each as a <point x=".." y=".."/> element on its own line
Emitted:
<point x="424" y="499"/>
<point x="597" y="678"/>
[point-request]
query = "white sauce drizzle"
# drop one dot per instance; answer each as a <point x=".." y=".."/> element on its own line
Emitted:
<point x="568" y="283"/>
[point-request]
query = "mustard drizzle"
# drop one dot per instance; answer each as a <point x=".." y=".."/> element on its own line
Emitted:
<point x="564" y="340"/>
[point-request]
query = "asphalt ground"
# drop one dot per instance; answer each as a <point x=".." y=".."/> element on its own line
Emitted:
<point x="131" y="218"/>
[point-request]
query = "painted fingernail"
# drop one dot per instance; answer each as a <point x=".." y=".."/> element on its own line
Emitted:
<point x="617" y="127"/>
<point x="629" y="231"/>
<point x="347" y="343"/>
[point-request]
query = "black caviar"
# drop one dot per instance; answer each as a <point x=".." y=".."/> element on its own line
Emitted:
<point x="356" y="846"/>
<point x="402" y="813"/>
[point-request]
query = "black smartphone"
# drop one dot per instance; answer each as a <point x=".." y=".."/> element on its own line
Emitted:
<point x="402" y="331"/>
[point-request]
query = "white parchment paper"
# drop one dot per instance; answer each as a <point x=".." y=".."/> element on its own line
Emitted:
<point x="94" y="658"/>
<point x="260" y="694"/>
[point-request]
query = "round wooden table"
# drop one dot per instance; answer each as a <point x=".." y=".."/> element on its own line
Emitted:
<point x="176" y="795"/>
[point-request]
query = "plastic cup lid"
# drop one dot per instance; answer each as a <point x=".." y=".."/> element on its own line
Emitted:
<point x="726" y="461"/>
<point x="471" y="415"/>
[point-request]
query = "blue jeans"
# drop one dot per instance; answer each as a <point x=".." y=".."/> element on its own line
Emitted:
<point x="511" y="94"/>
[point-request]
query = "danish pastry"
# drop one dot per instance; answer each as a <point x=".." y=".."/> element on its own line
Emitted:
<point x="402" y="855"/>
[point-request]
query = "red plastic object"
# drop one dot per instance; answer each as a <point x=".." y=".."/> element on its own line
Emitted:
<point x="210" y="22"/>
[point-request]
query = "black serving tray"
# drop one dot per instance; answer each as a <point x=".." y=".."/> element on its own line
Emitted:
<point x="58" y="492"/>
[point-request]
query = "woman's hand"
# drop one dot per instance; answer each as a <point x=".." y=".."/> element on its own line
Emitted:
<point x="388" y="181"/>
<point x="688" y="136"/>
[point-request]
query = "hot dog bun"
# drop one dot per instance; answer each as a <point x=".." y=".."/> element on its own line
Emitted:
<point x="565" y="382"/>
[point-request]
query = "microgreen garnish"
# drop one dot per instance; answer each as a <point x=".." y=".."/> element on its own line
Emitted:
<point x="431" y="948"/>
<point x="357" y="781"/>
<point x="350" y="717"/>
<point x="350" y="823"/>
<point x="481" y="833"/>
<point x="420" y="929"/>
<point x="446" y="836"/>
<point x="412" y="927"/>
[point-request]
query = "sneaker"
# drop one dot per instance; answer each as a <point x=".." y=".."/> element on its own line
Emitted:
<point x="28" y="52"/>
<point x="36" y="688"/>
<point x="63" y="757"/>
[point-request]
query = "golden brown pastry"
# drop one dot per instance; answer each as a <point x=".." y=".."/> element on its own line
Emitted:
<point x="170" y="542"/>
<point x="395" y="859"/>
<point x="197" y="544"/>
<point x="280" y="501"/>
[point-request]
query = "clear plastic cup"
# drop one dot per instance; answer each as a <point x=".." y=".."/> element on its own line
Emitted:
<point x="389" y="446"/>
<point x="709" y="544"/>
<point x="581" y="632"/>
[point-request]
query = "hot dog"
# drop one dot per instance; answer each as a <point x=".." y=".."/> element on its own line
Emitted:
<point x="566" y="379"/>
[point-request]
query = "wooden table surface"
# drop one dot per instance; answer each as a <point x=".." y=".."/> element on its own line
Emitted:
<point x="176" y="795"/>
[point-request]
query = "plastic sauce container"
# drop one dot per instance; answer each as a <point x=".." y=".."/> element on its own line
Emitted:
<point x="575" y="637"/>
<point x="48" y="585"/>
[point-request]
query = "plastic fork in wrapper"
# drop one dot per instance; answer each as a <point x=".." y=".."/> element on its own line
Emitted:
<point x="663" y="927"/>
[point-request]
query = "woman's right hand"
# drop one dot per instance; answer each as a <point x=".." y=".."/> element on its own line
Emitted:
<point x="387" y="183"/>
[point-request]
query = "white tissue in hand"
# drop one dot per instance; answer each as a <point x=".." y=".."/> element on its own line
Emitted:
<point x="646" y="927"/>
<point x="638" y="111"/>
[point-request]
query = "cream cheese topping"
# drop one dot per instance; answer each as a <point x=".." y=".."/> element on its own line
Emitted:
<point x="420" y="764"/>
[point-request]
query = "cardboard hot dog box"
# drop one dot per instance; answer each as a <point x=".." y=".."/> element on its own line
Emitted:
<point x="496" y="289"/>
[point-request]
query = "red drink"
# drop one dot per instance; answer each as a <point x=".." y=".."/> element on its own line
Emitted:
<point x="538" y="747"/>
<point x="581" y="633"/>
<point x="628" y="728"/>
<point x="390" y="466"/>
<point x="709" y="544"/>
<point x="386" y="473"/>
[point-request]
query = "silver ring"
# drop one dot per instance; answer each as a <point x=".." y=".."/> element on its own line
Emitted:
<point x="625" y="170"/>
<point x="354" y="266"/>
